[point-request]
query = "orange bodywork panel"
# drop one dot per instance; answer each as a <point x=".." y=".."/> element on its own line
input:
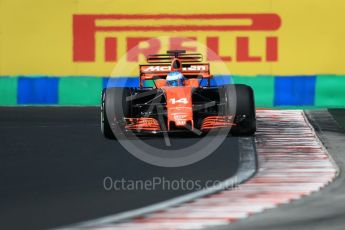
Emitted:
<point x="193" y="82"/>
<point x="179" y="105"/>
<point x="160" y="83"/>
<point x="143" y="123"/>
<point x="213" y="122"/>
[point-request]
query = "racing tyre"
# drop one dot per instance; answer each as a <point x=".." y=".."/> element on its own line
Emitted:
<point x="114" y="108"/>
<point x="240" y="101"/>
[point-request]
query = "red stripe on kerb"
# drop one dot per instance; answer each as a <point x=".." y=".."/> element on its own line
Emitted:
<point x="263" y="22"/>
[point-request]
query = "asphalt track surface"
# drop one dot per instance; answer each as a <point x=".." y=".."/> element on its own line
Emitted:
<point x="321" y="210"/>
<point x="53" y="161"/>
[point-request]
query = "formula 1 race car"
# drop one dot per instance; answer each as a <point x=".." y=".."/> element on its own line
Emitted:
<point x="174" y="95"/>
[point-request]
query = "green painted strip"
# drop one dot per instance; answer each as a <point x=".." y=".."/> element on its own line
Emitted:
<point x="330" y="91"/>
<point x="8" y="91"/>
<point x="263" y="87"/>
<point x="80" y="90"/>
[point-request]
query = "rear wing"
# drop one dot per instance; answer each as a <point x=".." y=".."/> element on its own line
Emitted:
<point x="160" y="65"/>
<point x="167" y="58"/>
<point x="164" y="69"/>
<point x="150" y="72"/>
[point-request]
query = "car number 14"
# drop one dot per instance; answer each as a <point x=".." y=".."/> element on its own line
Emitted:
<point x="180" y="101"/>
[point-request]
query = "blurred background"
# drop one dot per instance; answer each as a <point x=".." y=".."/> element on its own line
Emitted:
<point x="62" y="52"/>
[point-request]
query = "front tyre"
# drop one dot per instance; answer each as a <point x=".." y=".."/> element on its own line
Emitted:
<point x="114" y="108"/>
<point x="105" y="126"/>
<point x="240" y="101"/>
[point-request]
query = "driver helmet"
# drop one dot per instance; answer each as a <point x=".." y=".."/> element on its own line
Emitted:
<point x="175" y="78"/>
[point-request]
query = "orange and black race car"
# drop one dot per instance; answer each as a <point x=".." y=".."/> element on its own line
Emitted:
<point x="179" y="98"/>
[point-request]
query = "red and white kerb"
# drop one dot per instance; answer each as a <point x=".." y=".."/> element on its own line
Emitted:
<point x="292" y="164"/>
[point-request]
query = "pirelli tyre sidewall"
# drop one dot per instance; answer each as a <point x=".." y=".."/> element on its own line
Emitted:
<point x="240" y="101"/>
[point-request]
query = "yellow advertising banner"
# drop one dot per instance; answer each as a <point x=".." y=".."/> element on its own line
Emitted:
<point x="252" y="37"/>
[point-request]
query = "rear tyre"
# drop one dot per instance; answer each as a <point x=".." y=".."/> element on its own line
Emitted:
<point x="240" y="101"/>
<point x="114" y="108"/>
